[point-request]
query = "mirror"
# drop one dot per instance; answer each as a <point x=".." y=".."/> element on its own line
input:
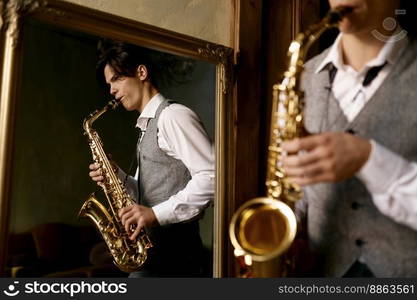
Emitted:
<point x="49" y="85"/>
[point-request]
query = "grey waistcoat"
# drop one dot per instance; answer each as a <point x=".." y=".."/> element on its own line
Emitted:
<point x="177" y="248"/>
<point x="344" y="225"/>
<point x="160" y="175"/>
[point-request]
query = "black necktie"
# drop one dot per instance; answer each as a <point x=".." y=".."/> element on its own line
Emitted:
<point x="332" y="73"/>
<point x="135" y="157"/>
<point x="371" y="74"/>
<point x="369" y="77"/>
<point x="140" y="134"/>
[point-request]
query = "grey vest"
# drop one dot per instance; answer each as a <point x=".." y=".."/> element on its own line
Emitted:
<point x="160" y="175"/>
<point x="177" y="248"/>
<point x="344" y="225"/>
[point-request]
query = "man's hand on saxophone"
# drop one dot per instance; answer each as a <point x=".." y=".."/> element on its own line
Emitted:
<point x="138" y="215"/>
<point x="327" y="157"/>
<point x="174" y="181"/>
<point x="95" y="173"/>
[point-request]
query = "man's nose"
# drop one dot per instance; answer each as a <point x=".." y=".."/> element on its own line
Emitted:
<point x="113" y="91"/>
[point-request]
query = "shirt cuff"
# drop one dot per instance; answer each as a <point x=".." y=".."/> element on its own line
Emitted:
<point x="382" y="169"/>
<point x="164" y="213"/>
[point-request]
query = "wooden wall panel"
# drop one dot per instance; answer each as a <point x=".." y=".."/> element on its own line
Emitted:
<point x="247" y="106"/>
<point x="282" y="21"/>
<point x="262" y="33"/>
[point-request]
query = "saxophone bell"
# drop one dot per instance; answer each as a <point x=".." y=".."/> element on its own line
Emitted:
<point x="261" y="230"/>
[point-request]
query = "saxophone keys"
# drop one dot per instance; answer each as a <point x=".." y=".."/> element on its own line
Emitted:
<point x="279" y="174"/>
<point x="276" y="193"/>
<point x="132" y="228"/>
<point x="248" y="260"/>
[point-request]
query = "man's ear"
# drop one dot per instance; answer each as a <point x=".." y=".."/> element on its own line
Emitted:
<point x="142" y="72"/>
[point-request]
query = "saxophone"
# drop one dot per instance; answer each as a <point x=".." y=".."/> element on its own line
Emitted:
<point x="263" y="230"/>
<point x="127" y="255"/>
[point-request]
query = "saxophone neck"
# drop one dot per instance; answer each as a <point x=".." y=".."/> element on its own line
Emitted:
<point x="299" y="47"/>
<point x="332" y="19"/>
<point x="287" y="120"/>
<point x="87" y="123"/>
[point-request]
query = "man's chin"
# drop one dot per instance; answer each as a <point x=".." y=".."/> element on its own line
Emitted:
<point x="346" y="26"/>
<point x="349" y="27"/>
<point x="128" y="108"/>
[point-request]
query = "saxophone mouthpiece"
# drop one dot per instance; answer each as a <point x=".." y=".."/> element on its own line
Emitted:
<point x="114" y="103"/>
<point x="338" y="13"/>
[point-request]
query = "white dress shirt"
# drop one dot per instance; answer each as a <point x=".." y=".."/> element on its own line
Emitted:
<point x="391" y="179"/>
<point x="181" y="135"/>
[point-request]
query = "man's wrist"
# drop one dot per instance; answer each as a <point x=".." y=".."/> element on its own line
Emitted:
<point x="381" y="169"/>
<point x="365" y="152"/>
<point x="164" y="213"/>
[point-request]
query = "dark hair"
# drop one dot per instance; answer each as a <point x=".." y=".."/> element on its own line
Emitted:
<point x="123" y="58"/>
<point x="163" y="68"/>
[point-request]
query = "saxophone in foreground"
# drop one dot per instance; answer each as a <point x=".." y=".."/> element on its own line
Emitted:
<point x="128" y="255"/>
<point x="263" y="229"/>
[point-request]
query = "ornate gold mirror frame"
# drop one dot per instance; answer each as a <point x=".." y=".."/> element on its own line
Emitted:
<point x="90" y="21"/>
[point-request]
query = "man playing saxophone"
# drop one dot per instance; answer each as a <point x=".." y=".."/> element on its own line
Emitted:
<point x="174" y="181"/>
<point x="358" y="166"/>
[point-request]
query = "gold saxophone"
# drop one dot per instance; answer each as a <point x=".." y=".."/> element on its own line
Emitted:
<point x="263" y="229"/>
<point x="128" y="255"/>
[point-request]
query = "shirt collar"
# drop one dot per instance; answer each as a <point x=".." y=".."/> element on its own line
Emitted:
<point x="149" y="111"/>
<point x="389" y="53"/>
<point x="334" y="56"/>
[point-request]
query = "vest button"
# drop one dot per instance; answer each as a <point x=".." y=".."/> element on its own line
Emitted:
<point x="359" y="242"/>
<point x="355" y="205"/>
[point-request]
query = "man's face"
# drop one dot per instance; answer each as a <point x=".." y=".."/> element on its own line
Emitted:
<point x="129" y="90"/>
<point x="366" y="15"/>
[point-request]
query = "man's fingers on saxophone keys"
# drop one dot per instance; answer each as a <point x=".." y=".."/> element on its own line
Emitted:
<point x="124" y="218"/>
<point x="124" y="210"/>
<point x="95" y="172"/>
<point x="136" y="233"/>
<point x="130" y="216"/>
<point x="94" y="166"/>
<point x="133" y="220"/>
<point x="121" y="212"/>
<point x="136" y="215"/>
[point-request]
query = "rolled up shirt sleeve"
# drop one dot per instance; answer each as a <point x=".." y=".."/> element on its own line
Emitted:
<point x="182" y="136"/>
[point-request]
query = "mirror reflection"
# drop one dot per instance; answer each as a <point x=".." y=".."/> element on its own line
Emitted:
<point x="166" y="101"/>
